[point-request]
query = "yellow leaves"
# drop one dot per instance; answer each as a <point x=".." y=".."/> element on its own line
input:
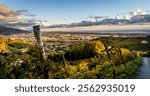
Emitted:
<point x="5" y="42"/>
<point x="85" y="51"/>
<point x="3" y="47"/>
<point x="83" y="66"/>
<point x="135" y="54"/>
<point x="118" y="54"/>
<point x="11" y="41"/>
<point x="125" y="52"/>
<point x="95" y="46"/>
<point x="3" y="39"/>
<point x="72" y="71"/>
<point x="81" y="70"/>
<point x="99" y="47"/>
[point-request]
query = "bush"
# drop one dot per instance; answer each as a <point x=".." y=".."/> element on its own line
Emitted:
<point x="79" y="71"/>
<point x="129" y="70"/>
<point x="85" y="51"/>
<point x="35" y="52"/>
<point x="3" y="39"/>
<point x="12" y="41"/>
<point x="19" y="45"/>
<point x="3" y="47"/>
<point x="55" y="57"/>
<point x="125" y="52"/>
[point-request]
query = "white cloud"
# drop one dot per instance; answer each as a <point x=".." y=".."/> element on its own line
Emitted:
<point x="131" y="14"/>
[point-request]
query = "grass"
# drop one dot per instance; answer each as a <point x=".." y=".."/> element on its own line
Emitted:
<point x="128" y="70"/>
<point x="133" y="43"/>
<point x="19" y="45"/>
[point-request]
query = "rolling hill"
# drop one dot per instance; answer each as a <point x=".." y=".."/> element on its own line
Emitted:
<point x="10" y="31"/>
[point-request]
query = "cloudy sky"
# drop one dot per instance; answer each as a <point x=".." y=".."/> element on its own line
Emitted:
<point x="25" y="13"/>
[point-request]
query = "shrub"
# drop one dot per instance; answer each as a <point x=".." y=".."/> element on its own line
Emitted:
<point x="3" y="47"/>
<point x="79" y="71"/>
<point x="125" y="52"/>
<point x="11" y="41"/>
<point x="107" y="70"/>
<point x="19" y="45"/>
<point x="129" y="70"/>
<point x="35" y="52"/>
<point x="85" y="51"/>
<point x="55" y="57"/>
<point x="3" y="39"/>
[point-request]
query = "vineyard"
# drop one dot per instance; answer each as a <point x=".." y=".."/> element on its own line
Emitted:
<point x="90" y="60"/>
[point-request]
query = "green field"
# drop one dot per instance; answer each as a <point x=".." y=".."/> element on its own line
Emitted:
<point x="131" y="43"/>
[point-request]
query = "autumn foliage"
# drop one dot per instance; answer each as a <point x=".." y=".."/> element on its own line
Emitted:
<point x="86" y="60"/>
<point x="3" y="47"/>
<point x="85" y="51"/>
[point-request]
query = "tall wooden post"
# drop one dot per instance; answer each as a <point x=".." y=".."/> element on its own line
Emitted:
<point x="109" y="57"/>
<point x="39" y="43"/>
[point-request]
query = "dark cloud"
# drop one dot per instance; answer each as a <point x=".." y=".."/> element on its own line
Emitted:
<point x="92" y="23"/>
<point x="141" y="18"/>
<point x="100" y="17"/>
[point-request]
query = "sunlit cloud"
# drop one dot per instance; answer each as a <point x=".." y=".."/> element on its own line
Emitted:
<point x="16" y="18"/>
<point x="8" y="15"/>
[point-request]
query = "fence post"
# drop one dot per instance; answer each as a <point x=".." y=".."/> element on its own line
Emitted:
<point x="64" y="58"/>
<point x="109" y="57"/>
<point x="121" y="54"/>
<point x="39" y="43"/>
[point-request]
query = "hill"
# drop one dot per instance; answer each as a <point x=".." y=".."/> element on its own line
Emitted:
<point x="10" y="31"/>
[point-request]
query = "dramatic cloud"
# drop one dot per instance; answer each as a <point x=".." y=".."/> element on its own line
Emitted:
<point x="137" y="16"/>
<point x="16" y="18"/>
<point x="8" y="15"/>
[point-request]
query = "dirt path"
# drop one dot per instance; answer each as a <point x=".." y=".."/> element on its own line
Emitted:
<point x="144" y="71"/>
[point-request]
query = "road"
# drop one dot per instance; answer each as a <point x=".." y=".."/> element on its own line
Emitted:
<point x="144" y="71"/>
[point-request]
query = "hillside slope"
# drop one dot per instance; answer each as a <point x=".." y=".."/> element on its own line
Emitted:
<point x="9" y="31"/>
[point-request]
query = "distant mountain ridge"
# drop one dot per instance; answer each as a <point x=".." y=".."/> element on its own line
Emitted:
<point x="10" y="31"/>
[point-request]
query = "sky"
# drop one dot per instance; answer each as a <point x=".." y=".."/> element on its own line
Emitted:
<point x="67" y="11"/>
